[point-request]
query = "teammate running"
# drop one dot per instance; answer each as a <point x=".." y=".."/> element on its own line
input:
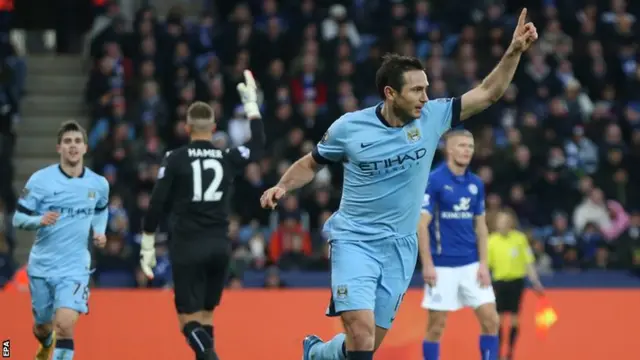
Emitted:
<point x="65" y="203"/>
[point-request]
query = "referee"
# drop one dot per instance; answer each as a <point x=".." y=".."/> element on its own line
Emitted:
<point x="510" y="261"/>
<point x="193" y="186"/>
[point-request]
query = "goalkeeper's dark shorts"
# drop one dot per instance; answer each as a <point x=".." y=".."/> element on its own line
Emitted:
<point x="198" y="285"/>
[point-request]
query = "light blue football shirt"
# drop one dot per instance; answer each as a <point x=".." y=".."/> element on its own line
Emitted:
<point x="385" y="169"/>
<point x="62" y="249"/>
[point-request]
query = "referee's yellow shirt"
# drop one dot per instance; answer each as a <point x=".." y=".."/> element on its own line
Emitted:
<point x="509" y="256"/>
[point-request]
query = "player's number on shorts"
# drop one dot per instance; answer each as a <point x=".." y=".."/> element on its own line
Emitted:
<point x="211" y="193"/>
<point x="85" y="291"/>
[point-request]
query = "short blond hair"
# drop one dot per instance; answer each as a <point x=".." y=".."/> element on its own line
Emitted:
<point x="200" y="116"/>
<point x="200" y="111"/>
<point x="457" y="132"/>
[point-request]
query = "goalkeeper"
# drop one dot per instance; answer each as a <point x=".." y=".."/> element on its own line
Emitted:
<point x="193" y="185"/>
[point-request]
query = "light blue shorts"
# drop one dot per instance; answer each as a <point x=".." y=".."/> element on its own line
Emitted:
<point x="371" y="275"/>
<point x="49" y="294"/>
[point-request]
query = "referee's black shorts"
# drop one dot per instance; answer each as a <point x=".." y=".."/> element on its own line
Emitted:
<point x="198" y="285"/>
<point x="508" y="295"/>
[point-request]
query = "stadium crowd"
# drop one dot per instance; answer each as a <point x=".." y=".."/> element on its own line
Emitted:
<point x="12" y="88"/>
<point x="559" y="148"/>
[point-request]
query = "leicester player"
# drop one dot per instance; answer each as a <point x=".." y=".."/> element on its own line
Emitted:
<point x="454" y="248"/>
<point x="387" y="152"/>
<point x="64" y="203"/>
<point x="194" y="186"/>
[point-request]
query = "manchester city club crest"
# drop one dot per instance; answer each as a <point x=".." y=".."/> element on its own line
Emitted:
<point x="342" y="292"/>
<point x="325" y="137"/>
<point x="92" y="195"/>
<point x="413" y="134"/>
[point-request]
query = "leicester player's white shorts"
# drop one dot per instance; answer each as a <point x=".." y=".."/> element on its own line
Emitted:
<point x="457" y="287"/>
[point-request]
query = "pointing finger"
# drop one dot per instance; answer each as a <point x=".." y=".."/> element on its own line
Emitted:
<point x="523" y="17"/>
<point x="249" y="80"/>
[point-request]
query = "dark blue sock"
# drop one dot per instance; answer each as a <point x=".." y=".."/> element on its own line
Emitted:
<point x="208" y="329"/>
<point x="431" y="350"/>
<point x="198" y="338"/>
<point x="489" y="347"/>
<point x="64" y="349"/>
<point x="359" y="355"/>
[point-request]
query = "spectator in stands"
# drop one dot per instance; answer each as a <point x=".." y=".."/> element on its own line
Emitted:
<point x="628" y="245"/>
<point x="162" y="275"/>
<point x="252" y="185"/>
<point x="582" y="153"/>
<point x="619" y="221"/>
<point x="592" y="209"/>
<point x="7" y="195"/>
<point x="544" y="262"/>
<point x="12" y="88"/>
<point x="562" y="244"/>
<point x="290" y="243"/>
<point x="116" y="263"/>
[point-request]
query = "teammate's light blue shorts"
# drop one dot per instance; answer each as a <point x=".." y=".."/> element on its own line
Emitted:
<point x="372" y="275"/>
<point x="49" y="294"/>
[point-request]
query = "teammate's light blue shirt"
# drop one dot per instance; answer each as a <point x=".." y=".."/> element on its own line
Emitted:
<point x="62" y="249"/>
<point x="453" y="202"/>
<point x="385" y="169"/>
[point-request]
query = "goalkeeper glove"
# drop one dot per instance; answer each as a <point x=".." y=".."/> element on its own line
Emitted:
<point x="249" y="95"/>
<point x="147" y="255"/>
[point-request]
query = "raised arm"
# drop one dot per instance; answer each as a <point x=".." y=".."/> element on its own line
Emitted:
<point x="496" y="83"/>
<point x="251" y="150"/>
